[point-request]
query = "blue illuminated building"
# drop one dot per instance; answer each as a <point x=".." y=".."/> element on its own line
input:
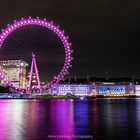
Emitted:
<point x="75" y="89"/>
<point x="112" y="89"/>
<point x="99" y="86"/>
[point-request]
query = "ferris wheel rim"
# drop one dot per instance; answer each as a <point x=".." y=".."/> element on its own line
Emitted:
<point x="49" y="25"/>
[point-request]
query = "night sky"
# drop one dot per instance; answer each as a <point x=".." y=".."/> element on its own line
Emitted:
<point x="105" y="34"/>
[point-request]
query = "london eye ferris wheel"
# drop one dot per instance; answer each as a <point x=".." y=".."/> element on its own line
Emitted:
<point x="46" y="42"/>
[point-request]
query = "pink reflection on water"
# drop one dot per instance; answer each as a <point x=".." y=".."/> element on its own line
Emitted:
<point x="62" y="118"/>
<point x="19" y="119"/>
<point x="10" y="119"/>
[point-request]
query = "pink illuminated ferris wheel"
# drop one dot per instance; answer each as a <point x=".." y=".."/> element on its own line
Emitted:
<point x="48" y="27"/>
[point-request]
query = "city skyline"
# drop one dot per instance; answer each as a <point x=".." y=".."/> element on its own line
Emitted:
<point x="104" y="35"/>
<point x="70" y="69"/>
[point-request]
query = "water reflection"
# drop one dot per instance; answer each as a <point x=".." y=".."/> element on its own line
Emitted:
<point x="101" y="118"/>
<point x="11" y="119"/>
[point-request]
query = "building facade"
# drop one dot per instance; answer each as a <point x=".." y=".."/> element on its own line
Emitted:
<point x="75" y="89"/>
<point x="15" y="71"/>
<point x="94" y="88"/>
<point x="103" y="86"/>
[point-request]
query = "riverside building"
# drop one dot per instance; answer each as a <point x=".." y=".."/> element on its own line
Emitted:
<point x="99" y="86"/>
<point x="15" y="71"/>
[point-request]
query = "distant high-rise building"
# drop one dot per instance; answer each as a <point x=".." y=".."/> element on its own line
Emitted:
<point x="15" y="71"/>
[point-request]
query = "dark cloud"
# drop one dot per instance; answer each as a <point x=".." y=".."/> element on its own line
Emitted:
<point x="105" y="34"/>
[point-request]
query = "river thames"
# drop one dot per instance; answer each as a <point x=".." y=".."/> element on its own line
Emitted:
<point x="96" y="119"/>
